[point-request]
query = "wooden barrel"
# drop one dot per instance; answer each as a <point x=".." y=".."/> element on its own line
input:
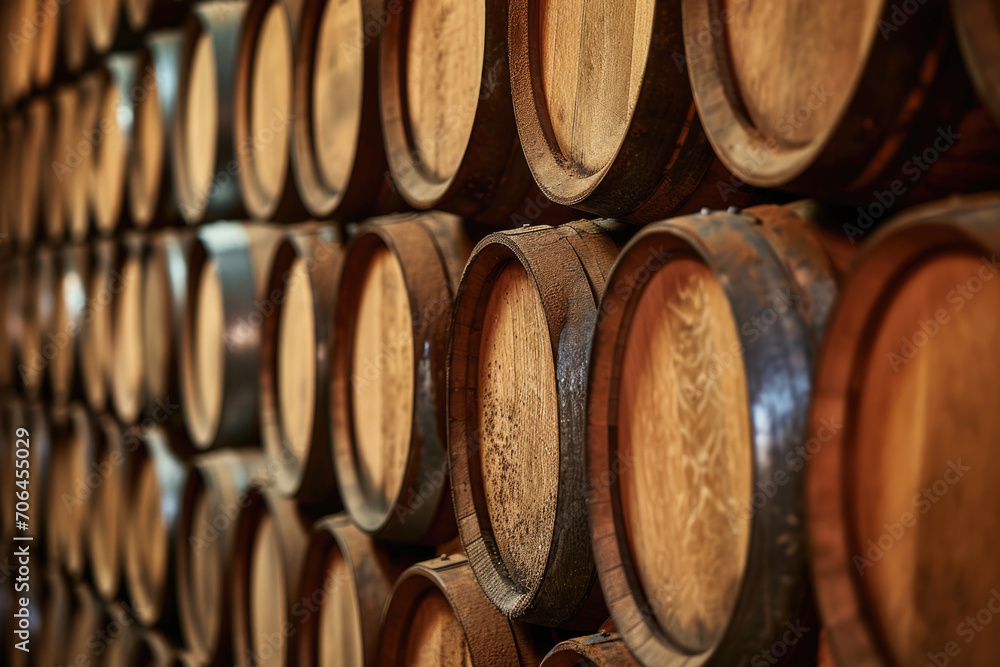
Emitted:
<point x="46" y="21"/>
<point x="152" y="167"/>
<point x="817" y="117"/>
<point x="103" y="282"/>
<point x="619" y="136"/>
<point x="151" y="539"/>
<point x="64" y="191"/>
<point x="295" y="366"/>
<point x="118" y="90"/>
<point x="76" y="161"/>
<point x="213" y="496"/>
<point x="345" y="583"/>
<point x="73" y="482"/>
<point x="7" y="366"/>
<point x="123" y="636"/>
<point x="271" y="540"/>
<point x="225" y="307"/>
<point x="68" y="319"/>
<point x="15" y="70"/>
<point x="393" y="308"/>
<point x="698" y="397"/>
<point x="29" y="174"/>
<point x="127" y="385"/>
<point x="104" y="19"/>
<point x="446" y="109"/>
<point x="74" y="47"/>
<point x="438" y="615"/>
<point x="603" y="649"/>
<point x="164" y="290"/>
<point x="5" y="188"/>
<point x="977" y="23"/>
<point x="905" y="459"/>
<point x="143" y="14"/>
<point x="336" y="158"/>
<point x="233" y="120"/>
<point x="83" y="644"/>
<point x="15" y="296"/>
<point x="39" y="301"/>
<point x="54" y="619"/>
<point x="518" y="366"/>
<point x="105" y="534"/>
<point x="139" y="647"/>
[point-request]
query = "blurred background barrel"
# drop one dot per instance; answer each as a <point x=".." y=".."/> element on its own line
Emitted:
<point x="438" y="615"/>
<point x="518" y="366"/>
<point x="605" y="111"/>
<point x="295" y="366"/>
<point x="127" y="384"/>
<point x="345" y="583"/>
<point x="906" y="458"/>
<point x="337" y="157"/>
<point x="68" y="319"/>
<point x="271" y="540"/>
<point x="39" y="302"/>
<point x="446" y="110"/>
<point x="71" y="488"/>
<point x="152" y="164"/>
<point x="143" y="14"/>
<point x="977" y="23"/>
<point x="213" y="495"/>
<point x="105" y="19"/>
<point x="697" y="405"/>
<point x="151" y="541"/>
<point x="819" y="116"/>
<point x="108" y="510"/>
<point x="224" y="311"/>
<point x="103" y="282"/>
<point x="393" y="308"/>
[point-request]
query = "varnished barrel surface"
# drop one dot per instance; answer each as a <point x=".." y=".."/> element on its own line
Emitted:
<point x="907" y="462"/>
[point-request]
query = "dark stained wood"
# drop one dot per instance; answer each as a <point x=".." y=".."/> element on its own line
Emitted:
<point x="438" y="615"/>
<point x="906" y="374"/>
<point x="846" y="103"/>
<point x="393" y="308"/>
<point x="698" y="394"/>
<point x="977" y="23"/>
<point x="517" y="367"/>
<point x="295" y="366"/>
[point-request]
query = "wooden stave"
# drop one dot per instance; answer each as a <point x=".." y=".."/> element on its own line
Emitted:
<point x="643" y="182"/>
<point x="784" y="590"/>
<point x="374" y="565"/>
<point x="491" y="638"/>
<point x="415" y="242"/>
<point x="846" y="168"/>
<point x="155" y="602"/>
<point x="161" y="55"/>
<point x="310" y="481"/>
<point x="568" y="594"/>
<point x="955" y="224"/>
<point x="977" y="26"/>
<point x="126" y="401"/>
<point x="104" y="550"/>
<point x="225" y="476"/>
<point x="493" y="178"/>
<point x="369" y="174"/>
<point x="292" y="531"/>
<point x="16" y="72"/>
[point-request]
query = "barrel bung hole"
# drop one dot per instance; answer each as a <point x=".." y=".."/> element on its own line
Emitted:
<point x="925" y="461"/>
<point x="684" y="444"/>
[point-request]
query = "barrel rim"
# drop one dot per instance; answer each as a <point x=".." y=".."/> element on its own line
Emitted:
<point x="131" y="251"/>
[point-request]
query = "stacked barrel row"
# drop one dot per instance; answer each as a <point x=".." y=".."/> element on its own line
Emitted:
<point x="409" y="441"/>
